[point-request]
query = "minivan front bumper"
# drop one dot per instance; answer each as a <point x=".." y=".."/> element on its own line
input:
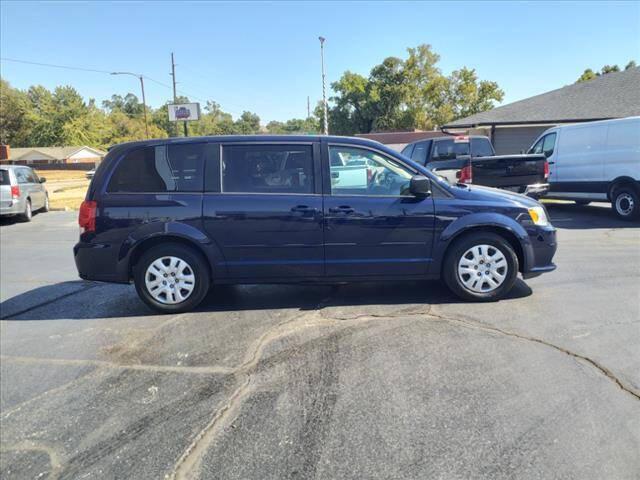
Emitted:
<point x="543" y="248"/>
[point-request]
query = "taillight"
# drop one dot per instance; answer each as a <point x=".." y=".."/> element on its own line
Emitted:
<point x="465" y="175"/>
<point x="87" y="216"/>
<point x="15" y="191"/>
<point x="546" y="169"/>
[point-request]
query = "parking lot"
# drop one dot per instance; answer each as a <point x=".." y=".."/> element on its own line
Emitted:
<point x="361" y="381"/>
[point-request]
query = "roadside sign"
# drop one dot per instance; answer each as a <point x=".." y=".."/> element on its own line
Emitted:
<point x="184" y="112"/>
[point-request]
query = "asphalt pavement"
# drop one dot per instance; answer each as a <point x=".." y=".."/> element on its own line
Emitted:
<point x="372" y="381"/>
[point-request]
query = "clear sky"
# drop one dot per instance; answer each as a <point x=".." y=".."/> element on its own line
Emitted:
<point x="264" y="57"/>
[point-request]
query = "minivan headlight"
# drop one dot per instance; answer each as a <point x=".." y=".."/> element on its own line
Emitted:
<point x="538" y="216"/>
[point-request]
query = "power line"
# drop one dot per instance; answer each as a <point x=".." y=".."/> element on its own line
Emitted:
<point x="66" y="67"/>
<point x="107" y="72"/>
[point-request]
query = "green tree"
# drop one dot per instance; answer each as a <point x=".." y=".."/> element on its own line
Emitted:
<point x="247" y="123"/>
<point x="467" y="96"/>
<point x="407" y="94"/>
<point x="587" y="75"/>
<point x="15" y="127"/>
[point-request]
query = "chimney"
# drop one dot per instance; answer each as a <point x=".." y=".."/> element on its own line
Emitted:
<point x="5" y="152"/>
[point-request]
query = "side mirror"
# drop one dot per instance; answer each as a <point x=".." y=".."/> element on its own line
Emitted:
<point x="42" y="179"/>
<point x="420" y="186"/>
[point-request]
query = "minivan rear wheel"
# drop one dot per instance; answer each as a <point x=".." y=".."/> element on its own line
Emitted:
<point x="626" y="203"/>
<point x="28" y="213"/>
<point x="171" y="278"/>
<point x="480" y="267"/>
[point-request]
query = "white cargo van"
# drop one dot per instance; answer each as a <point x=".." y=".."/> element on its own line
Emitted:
<point x="595" y="161"/>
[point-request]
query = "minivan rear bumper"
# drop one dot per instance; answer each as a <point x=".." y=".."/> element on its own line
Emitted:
<point x="99" y="262"/>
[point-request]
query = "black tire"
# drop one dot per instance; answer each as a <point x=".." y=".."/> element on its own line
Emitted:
<point x="45" y="208"/>
<point x="582" y="202"/>
<point x="195" y="261"/>
<point x="464" y="244"/>
<point x="28" y="212"/>
<point x="625" y="202"/>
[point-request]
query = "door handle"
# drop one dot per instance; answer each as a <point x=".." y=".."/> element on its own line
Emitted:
<point x="346" y="209"/>
<point x="302" y="209"/>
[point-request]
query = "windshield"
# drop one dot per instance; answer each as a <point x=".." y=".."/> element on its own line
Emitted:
<point x="449" y="149"/>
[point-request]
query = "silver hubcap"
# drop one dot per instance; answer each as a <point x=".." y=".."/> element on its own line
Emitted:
<point x="624" y="204"/>
<point x="170" y="280"/>
<point x="482" y="268"/>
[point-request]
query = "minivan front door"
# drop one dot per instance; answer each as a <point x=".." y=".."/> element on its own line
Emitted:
<point x="373" y="225"/>
<point x="263" y="207"/>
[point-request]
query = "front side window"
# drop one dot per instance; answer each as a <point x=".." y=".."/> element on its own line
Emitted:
<point x="176" y="168"/>
<point x="449" y="149"/>
<point x="549" y="144"/>
<point x="406" y="151"/>
<point x="358" y="171"/>
<point x="420" y="152"/>
<point x="267" y="169"/>
<point x="537" y="148"/>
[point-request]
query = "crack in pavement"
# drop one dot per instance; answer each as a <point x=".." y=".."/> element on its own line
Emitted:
<point x="188" y="464"/>
<point x="32" y="446"/>
<point x="121" y="366"/>
<point x="597" y="365"/>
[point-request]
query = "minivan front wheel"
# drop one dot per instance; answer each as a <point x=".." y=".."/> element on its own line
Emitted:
<point x="171" y="278"/>
<point x="481" y="267"/>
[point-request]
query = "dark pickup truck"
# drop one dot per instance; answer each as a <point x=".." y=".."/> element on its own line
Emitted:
<point x="472" y="159"/>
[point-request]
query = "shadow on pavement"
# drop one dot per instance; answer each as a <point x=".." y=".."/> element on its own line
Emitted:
<point x="85" y="300"/>
<point x="582" y="217"/>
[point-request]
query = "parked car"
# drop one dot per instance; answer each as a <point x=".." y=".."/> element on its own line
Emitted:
<point x="472" y="159"/>
<point x="22" y="192"/>
<point x="178" y="215"/>
<point x="596" y="161"/>
<point x="89" y="175"/>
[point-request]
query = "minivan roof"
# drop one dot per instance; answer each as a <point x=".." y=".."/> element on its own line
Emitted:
<point x="252" y="138"/>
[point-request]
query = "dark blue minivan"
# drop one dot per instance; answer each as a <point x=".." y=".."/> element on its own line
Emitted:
<point x="176" y="216"/>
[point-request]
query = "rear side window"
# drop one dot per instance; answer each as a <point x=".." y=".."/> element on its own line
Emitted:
<point x="22" y="175"/>
<point x="481" y="147"/>
<point x="267" y="169"/>
<point x="4" y="177"/>
<point x="449" y="149"/>
<point x="174" y="168"/>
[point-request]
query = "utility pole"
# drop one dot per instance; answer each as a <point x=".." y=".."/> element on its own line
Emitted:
<point x="144" y="100"/>
<point x="175" y="96"/>
<point x="173" y="79"/>
<point x="324" y="93"/>
<point x="308" y="108"/>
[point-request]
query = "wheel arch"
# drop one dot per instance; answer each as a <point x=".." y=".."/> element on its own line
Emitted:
<point x="620" y="182"/>
<point x="500" y="230"/>
<point x="141" y="247"/>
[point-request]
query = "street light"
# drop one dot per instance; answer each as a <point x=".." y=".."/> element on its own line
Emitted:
<point x="144" y="101"/>
<point x="324" y="93"/>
